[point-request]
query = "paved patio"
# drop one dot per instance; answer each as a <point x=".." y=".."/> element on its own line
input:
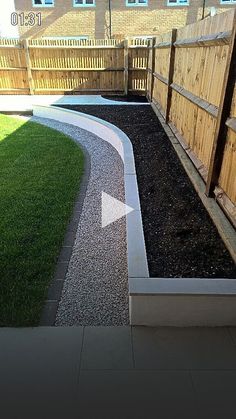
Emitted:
<point x="117" y="372"/>
<point x="24" y="103"/>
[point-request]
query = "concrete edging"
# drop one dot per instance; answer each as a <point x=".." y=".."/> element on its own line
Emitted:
<point x="154" y="301"/>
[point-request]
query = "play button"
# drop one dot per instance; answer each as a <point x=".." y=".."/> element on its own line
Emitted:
<point x="113" y="209"/>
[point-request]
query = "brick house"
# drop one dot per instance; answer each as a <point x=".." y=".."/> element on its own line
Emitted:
<point x="112" y="18"/>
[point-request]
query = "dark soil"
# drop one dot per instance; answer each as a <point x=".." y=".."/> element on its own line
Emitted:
<point x="134" y="98"/>
<point x="181" y="239"/>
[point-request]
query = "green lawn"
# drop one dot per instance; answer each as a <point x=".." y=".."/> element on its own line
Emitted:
<point x="40" y="171"/>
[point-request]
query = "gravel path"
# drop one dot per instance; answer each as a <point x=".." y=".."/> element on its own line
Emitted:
<point x="95" y="291"/>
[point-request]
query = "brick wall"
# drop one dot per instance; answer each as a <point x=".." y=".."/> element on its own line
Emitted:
<point x="157" y="17"/>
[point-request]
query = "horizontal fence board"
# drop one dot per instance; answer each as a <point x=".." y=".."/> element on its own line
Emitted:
<point x="231" y="123"/>
<point x="76" y="69"/>
<point x="162" y="45"/>
<point x="87" y="47"/>
<point x="220" y="38"/>
<point x="160" y="77"/>
<point x="201" y="103"/>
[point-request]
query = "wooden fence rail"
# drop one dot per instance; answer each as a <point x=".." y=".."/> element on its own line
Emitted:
<point x="41" y="66"/>
<point x="191" y="78"/>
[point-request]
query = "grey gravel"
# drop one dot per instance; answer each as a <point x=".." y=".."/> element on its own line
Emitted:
<point x="95" y="290"/>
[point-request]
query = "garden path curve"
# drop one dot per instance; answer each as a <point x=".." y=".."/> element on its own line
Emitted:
<point x="95" y="290"/>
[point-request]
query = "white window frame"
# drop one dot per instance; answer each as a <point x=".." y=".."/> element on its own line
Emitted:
<point x="43" y="5"/>
<point x="136" y="4"/>
<point x="228" y="2"/>
<point x="84" y="4"/>
<point x="178" y="3"/>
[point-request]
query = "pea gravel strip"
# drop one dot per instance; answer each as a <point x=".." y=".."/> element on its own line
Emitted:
<point x="95" y="290"/>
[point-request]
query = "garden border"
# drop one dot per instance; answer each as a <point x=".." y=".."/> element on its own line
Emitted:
<point x="154" y="301"/>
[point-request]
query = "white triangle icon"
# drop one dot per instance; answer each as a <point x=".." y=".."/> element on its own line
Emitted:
<point x="113" y="209"/>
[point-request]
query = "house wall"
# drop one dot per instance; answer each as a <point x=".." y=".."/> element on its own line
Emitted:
<point x="65" y="20"/>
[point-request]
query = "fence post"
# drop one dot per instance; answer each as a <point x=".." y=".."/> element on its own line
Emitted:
<point x="147" y="68"/>
<point x="223" y="113"/>
<point x="28" y="66"/>
<point x="171" y="74"/>
<point x="153" y="67"/>
<point x="126" y="66"/>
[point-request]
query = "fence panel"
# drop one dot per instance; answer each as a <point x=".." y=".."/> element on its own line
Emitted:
<point x="202" y="52"/>
<point x="13" y="68"/>
<point x="77" y="66"/>
<point x="161" y="69"/>
<point x="138" y="56"/>
<point x="43" y="66"/>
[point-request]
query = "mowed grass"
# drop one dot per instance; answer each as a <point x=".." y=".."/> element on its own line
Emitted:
<point x="40" y="171"/>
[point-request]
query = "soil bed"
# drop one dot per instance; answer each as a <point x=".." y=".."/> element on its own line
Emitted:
<point x="134" y="98"/>
<point x="181" y="239"/>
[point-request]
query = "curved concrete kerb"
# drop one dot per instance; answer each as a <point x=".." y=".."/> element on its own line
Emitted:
<point x="136" y="251"/>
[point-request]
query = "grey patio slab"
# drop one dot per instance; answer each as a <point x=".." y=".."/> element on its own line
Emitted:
<point x="39" y="372"/>
<point x="215" y="392"/>
<point x="107" y="348"/>
<point x="232" y="332"/>
<point x="183" y="348"/>
<point x="140" y="394"/>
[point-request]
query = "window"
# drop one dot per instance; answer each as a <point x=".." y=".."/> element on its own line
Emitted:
<point x="43" y="3"/>
<point x="84" y="3"/>
<point x="177" y="2"/>
<point x="227" y="1"/>
<point x="136" y="2"/>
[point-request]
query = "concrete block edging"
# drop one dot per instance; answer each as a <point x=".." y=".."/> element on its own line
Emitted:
<point x="154" y="301"/>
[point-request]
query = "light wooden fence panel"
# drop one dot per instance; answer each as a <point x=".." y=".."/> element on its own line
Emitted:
<point x="138" y="56"/>
<point x="161" y="70"/>
<point x="201" y="55"/>
<point x="227" y="179"/>
<point x="77" y="66"/>
<point x="13" y="72"/>
<point x="43" y="66"/>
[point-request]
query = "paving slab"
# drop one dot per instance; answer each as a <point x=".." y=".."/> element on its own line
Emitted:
<point x="107" y="348"/>
<point x="140" y="394"/>
<point x="20" y="103"/>
<point x="183" y="348"/>
<point x="39" y="372"/>
<point x="232" y="332"/>
<point x="215" y="391"/>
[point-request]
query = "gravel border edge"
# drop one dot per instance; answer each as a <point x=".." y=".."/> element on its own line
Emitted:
<point x="49" y="312"/>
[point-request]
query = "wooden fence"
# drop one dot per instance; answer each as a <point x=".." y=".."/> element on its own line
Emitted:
<point x="41" y="66"/>
<point x="191" y="81"/>
<point x="187" y="74"/>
